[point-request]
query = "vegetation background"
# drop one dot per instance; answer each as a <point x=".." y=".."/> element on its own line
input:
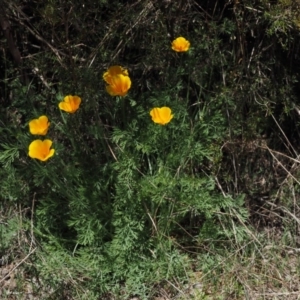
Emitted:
<point x="206" y="207"/>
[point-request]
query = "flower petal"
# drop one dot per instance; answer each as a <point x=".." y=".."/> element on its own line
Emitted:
<point x="113" y="71"/>
<point x="51" y="153"/>
<point x="34" y="148"/>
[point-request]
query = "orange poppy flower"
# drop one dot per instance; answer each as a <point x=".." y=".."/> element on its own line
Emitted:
<point x="161" y="115"/>
<point x="180" y="44"/>
<point x="39" y="126"/>
<point x="70" y="104"/>
<point x="120" y="84"/>
<point x="41" y="149"/>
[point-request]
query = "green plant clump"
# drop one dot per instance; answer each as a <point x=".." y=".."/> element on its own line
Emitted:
<point x="134" y="169"/>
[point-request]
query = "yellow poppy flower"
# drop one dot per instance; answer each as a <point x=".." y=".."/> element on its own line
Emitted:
<point x="161" y="115"/>
<point x="70" y="104"/>
<point x="180" y="44"/>
<point x="39" y="126"/>
<point x="113" y="71"/>
<point x="41" y="149"/>
<point x="119" y="86"/>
